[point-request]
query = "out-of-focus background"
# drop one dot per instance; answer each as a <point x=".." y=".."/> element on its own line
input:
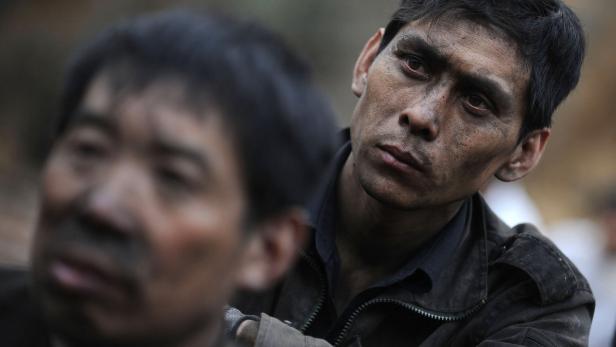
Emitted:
<point x="38" y="36"/>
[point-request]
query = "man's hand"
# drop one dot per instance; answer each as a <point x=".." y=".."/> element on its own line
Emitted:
<point x="247" y="332"/>
<point x="241" y="327"/>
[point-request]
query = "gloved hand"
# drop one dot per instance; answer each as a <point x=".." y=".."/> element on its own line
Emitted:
<point x="233" y="321"/>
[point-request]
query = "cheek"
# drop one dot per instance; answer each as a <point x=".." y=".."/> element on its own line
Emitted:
<point x="194" y="260"/>
<point x="379" y="100"/>
<point x="60" y="187"/>
<point x="195" y="237"/>
<point x="478" y="153"/>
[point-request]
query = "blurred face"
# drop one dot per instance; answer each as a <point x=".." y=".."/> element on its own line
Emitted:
<point x="439" y="113"/>
<point x="141" y="218"/>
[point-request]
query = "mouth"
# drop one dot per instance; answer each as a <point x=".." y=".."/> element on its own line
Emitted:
<point x="88" y="275"/>
<point x="402" y="160"/>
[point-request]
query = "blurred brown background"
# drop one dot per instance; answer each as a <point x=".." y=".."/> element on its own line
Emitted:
<point x="37" y="37"/>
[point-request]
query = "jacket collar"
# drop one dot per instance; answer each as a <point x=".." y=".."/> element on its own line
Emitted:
<point x="462" y="286"/>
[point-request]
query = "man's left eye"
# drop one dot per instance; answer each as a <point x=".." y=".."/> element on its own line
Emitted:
<point x="172" y="178"/>
<point x="477" y="104"/>
<point x="414" y="63"/>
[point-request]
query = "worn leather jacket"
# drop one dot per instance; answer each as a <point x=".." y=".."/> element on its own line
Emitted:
<point x="503" y="286"/>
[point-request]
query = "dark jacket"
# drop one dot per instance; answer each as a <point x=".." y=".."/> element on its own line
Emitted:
<point x="501" y="286"/>
<point x="20" y="318"/>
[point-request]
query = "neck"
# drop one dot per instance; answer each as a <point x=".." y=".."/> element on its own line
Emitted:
<point x="373" y="235"/>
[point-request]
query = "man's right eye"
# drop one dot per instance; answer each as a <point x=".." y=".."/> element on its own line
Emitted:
<point x="415" y="67"/>
<point x="86" y="150"/>
<point x="86" y="145"/>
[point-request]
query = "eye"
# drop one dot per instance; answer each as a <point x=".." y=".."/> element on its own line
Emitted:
<point x="173" y="181"/>
<point x="88" y="149"/>
<point x="414" y="63"/>
<point x="415" y="66"/>
<point x="171" y="177"/>
<point x="477" y="104"/>
<point x="86" y="146"/>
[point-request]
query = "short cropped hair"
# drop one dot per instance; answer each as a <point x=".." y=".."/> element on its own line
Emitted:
<point x="283" y="130"/>
<point x="547" y="33"/>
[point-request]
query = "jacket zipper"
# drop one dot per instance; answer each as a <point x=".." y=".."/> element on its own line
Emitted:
<point x="414" y="308"/>
<point x="322" y="294"/>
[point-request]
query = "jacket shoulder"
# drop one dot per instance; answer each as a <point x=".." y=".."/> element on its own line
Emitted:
<point x="13" y="287"/>
<point x="555" y="276"/>
<point x="21" y="322"/>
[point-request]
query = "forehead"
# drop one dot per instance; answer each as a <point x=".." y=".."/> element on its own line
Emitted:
<point x="115" y="88"/>
<point x="160" y="112"/>
<point x="163" y="106"/>
<point x="469" y="47"/>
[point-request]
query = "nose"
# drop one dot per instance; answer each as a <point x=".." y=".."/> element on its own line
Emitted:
<point x="109" y="204"/>
<point x="422" y="117"/>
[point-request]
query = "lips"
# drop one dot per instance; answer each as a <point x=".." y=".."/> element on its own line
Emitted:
<point x="88" y="275"/>
<point x="402" y="159"/>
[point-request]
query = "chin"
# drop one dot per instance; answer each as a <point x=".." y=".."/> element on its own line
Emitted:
<point x="390" y="194"/>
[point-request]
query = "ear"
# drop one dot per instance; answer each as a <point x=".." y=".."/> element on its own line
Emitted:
<point x="525" y="157"/>
<point x="272" y="249"/>
<point x="364" y="61"/>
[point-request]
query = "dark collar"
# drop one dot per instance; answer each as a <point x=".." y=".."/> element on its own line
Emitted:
<point x="421" y="269"/>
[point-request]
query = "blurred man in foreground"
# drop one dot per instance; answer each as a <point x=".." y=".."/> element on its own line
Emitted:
<point x="184" y="151"/>
<point x="405" y="252"/>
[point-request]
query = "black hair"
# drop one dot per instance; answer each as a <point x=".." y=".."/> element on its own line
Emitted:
<point x="283" y="129"/>
<point x="547" y="33"/>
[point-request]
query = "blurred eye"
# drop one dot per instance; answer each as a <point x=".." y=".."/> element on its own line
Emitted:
<point x="85" y="149"/>
<point x="87" y="145"/>
<point x="173" y="180"/>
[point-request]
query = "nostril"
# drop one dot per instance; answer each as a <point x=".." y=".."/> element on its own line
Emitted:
<point x="426" y="133"/>
<point x="404" y="121"/>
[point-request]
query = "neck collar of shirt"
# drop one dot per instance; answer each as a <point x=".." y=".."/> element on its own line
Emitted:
<point x="422" y="267"/>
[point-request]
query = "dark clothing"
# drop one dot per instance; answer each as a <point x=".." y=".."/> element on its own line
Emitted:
<point x="480" y="284"/>
<point x="21" y="320"/>
<point x="424" y="266"/>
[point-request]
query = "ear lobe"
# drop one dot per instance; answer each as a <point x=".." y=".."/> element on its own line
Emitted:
<point x="525" y="157"/>
<point x="364" y="61"/>
<point x="272" y="249"/>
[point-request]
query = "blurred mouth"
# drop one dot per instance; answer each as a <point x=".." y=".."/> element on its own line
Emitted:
<point x="87" y="274"/>
<point x="395" y="157"/>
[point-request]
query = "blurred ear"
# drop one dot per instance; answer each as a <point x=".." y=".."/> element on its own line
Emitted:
<point x="272" y="249"/>
<point x="525" y="157"/>
<point x="364" y="61"/>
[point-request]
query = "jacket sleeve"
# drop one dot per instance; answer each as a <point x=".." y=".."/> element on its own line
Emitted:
<point x="563" y="328"/>
<point x="274" y="333"/>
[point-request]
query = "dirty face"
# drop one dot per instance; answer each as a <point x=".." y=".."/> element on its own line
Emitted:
<point x="439" y="112"/>
<point x="141" y="218"/>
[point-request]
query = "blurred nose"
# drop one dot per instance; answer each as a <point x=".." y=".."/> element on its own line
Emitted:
<point x="110" y="203"/>
<point x="422" y="117"/>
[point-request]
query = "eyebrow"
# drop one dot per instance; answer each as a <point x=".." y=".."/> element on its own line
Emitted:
<point x="87" y="118"/>
<point x="493" y="89"/>
<point x="418" y="44"/>
<point x="169" y="149"/>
